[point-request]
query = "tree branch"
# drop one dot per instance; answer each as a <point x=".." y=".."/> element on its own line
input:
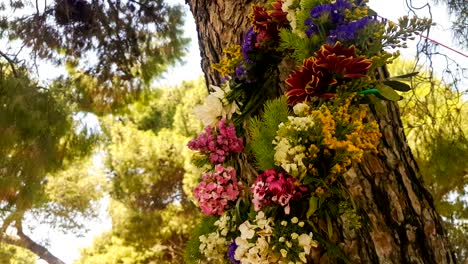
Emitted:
<point x="11" y="62"/>
<point x="25" y="242"/>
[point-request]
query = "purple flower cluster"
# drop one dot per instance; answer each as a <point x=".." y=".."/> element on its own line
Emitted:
<point x="218" y="143"/>
<point x="334" y="11"/>
<point x="248" y="43"/>
<point x="349" y="31"/>
<point x="231" y="252"/>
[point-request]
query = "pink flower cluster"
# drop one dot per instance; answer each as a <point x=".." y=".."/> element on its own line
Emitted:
<point x="218" y="143"/>
<point x="217" y="189"/>
<point x="276" y="187"/>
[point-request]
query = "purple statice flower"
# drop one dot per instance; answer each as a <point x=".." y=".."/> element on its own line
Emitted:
<point x="231" y="252"/>
<point x="241" y="72"/>
<point x="350" y="30"/>
<point x="335" y="13"/>
<point x="250" y="38"/>
<point x="312" y="29"/>
<point x="319" y="10"/>
<point x="359" y="2"/>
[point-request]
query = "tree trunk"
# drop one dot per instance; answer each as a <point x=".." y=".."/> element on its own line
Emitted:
<point x="400" y="224"/>
<point x="219" y="23"/>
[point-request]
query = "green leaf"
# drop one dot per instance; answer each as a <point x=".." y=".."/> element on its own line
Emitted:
<point x="399" y="86"/>
<point x="378" y="104"/>
<point x="405" y="76"/>
<point x="313" y="206"/>
<point x="371" y="12"/>
<point x="388" y="93"/>
<point x="369" y="91"/>
<point x="329" y="226"/>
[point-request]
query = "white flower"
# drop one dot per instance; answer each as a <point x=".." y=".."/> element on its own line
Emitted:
<point x="301" y="108"/>
<point x="260" y="215"/>
<point x="216" y="106"/>
<point x="294" y="220"/>
<point x="284" y="252"/>
<point x="306" y="242"/>
<point x="246" y="231"/>
<point x="212" y="245"/>
<point x="294" y="235"/>
<point x="210" y="111"/>
<point x="302" y="257"/>
<point x="286" y="5"/>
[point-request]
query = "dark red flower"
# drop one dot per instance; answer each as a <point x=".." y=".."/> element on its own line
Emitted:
<point x="278" y="15"/>
<point x="276" y="187"/>
<point x="319" y="75"/>
<point x="308" y="82"/>
<point x="266" y="23"/>
<point x="342" y="61"/>
<point x="260" y="18"/>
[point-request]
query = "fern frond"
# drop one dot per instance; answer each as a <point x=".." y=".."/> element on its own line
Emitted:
<point x="302" y="47"/>
<point x="263" y="131"/>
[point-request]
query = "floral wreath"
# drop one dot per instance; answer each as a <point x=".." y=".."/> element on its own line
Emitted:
<point x="301" y="130"/>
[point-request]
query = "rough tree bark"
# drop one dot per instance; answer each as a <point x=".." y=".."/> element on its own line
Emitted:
<point x="401" y="224"/>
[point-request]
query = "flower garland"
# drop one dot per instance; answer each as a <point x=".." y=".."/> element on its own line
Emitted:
<point x="338" y="49"/>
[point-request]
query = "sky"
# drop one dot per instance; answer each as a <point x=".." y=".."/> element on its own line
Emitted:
<point x="67" y="246"/>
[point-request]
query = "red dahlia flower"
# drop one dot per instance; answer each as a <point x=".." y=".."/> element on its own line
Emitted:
<point x="267" y="23"/>
<point x="319" y="75"/>
<point x="342" y="61"/>
<point x="278" y="14"/>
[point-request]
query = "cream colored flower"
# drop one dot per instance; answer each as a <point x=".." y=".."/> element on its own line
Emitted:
<point x="302" y="257"/>
<point x="300" y="109"/>
<point x="247" y="232"/>
<point x="216" y="106"/>
<point x="283" y="252"/>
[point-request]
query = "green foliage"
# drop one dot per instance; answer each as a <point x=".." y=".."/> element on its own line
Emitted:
<point x="459" y="238"/>
<point x="142" y="237"/>
<point x="436" y="131"/>
<point x="38" y="137"/>
<point x="459" y="10"/>
<point x="73" y="195"/>
<point x="437" y="134"/>
<point x="110" y="249"/>
<point x="404" y="29"/>
<point x="150" y="179"/>
<point x="146" y="169"/>
<point x="302" y="47"/>
<point x="118" y="41"/>
<point x="263" y="132"/>
<point x="16" y="255"/>
<point x="170" y="108"/>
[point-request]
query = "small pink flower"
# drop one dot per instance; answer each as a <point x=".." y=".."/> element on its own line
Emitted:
<point x="218" y="142"/>
<point x="217" y="189"/>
